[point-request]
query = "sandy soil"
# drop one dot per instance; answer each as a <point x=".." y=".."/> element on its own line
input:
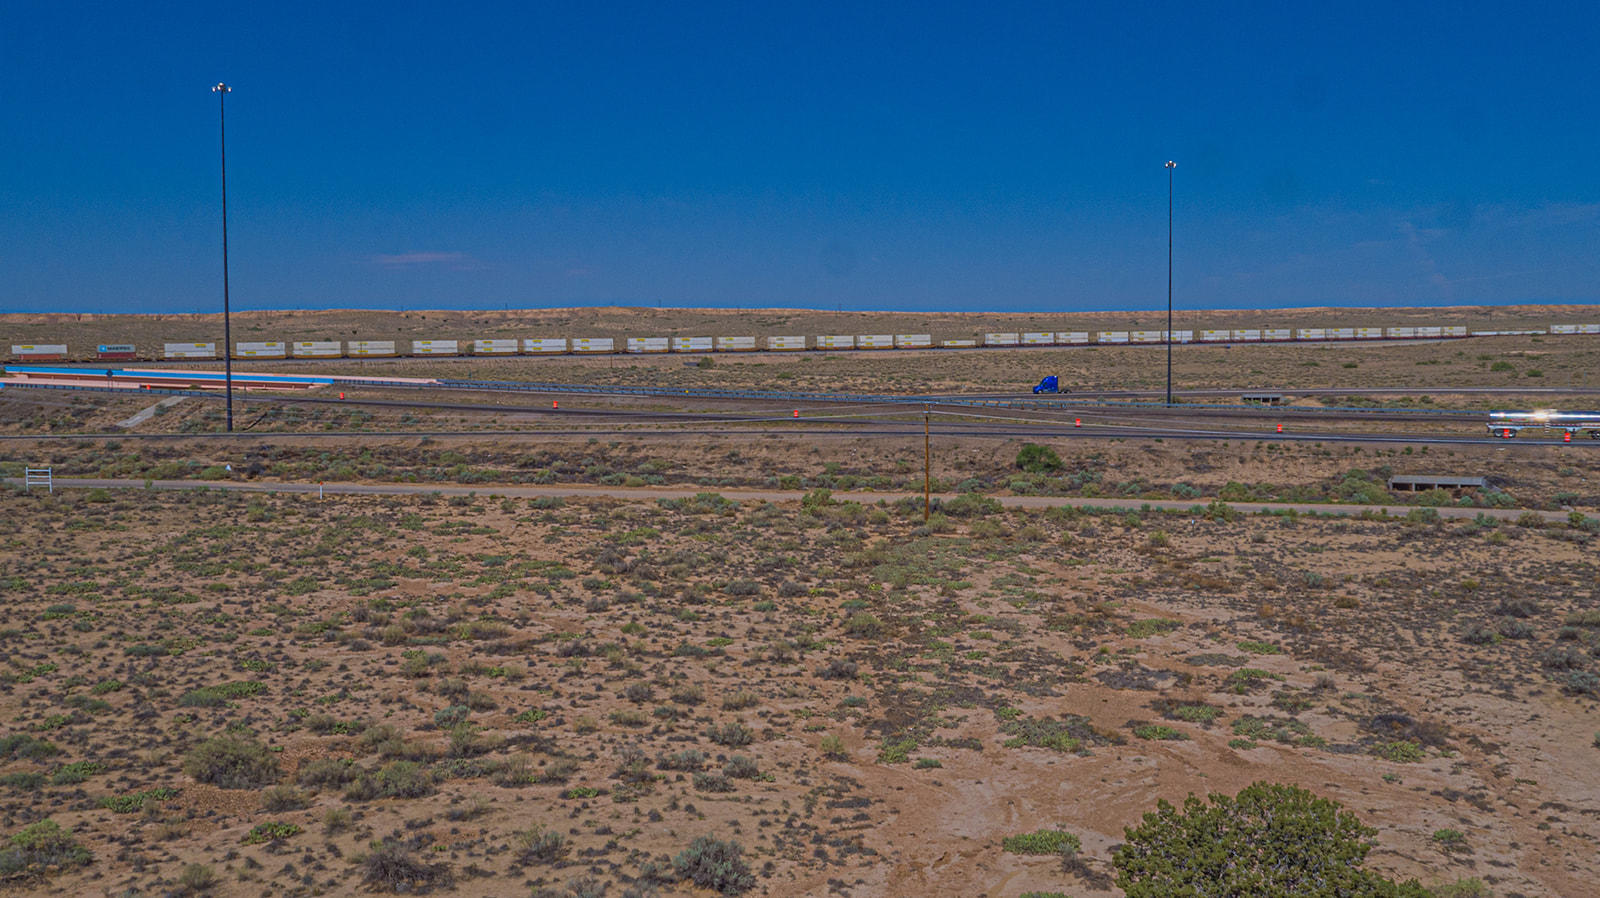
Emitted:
<point x="596" y="616"/>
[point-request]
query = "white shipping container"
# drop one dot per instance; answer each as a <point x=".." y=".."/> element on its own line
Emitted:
<point x="1311" y="333"/>
<point x="188" y="350"/>
<point x="1369" y="333"/>
<point x="545" y="346"/>
<point x="913" y="341"/>
<point x="786" y="344"/>
<point x="1250" y="335"/>
<point x="39" y="349"/>
<point x="1454" y="330"/>
<point x="1182" y="336"/>
<point x="1111" y="337"/>
<point x="1048" y="338"/>
<point x="959" y="344"/>
<point x="1275" y="333"/>
<point x="1144" y="337"/>
<point x="1399" y="333"/>
<point x="691" y="344"/>
<point x="594" y="344"/>
<point x="1563" y="328"/>
<point x="1001" y="339"/>
<point x="746" y="344"/>
<point x="494" y="347"/>
<point x="435" y="347"/>
<point x="1072" y="338"/>
<point x="1341" y="333"/>
<point x="836" y="341"/>
<point x="1430" y="332"/>
<point x="269" y="350"/>
<point x="875" y="341"/>
<point x="317" y="349"/>
<point x="1216" y="336"/>
<point x="381" y="349"/>
<point x="1589" y="328"/>
<point x="648" y="344"/>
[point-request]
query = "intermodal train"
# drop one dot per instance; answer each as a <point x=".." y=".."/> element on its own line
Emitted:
<point x="505" y="346"/>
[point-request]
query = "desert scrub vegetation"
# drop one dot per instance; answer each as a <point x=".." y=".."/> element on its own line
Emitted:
<point x="41" y="848"/>
<point x="1290" y="840"/>
<point x="232" y="762"/>
<point x="606" y="661"/>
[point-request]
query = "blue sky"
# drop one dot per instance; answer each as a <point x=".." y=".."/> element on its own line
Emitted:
<point x="928" y="156"/>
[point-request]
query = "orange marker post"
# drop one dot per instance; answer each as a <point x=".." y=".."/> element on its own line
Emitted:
<point x="797" y="413"/>
<point x="1077" y="422"/>
<point x="555" y="403"/>
<point x="1566" y="437"/>
<point x="1280" y="428"/>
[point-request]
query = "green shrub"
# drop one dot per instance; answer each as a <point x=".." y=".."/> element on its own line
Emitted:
<point x="1269" y="840"/>
<point x="712" y="863"/>
<point x="25" y="746"/>
<point x="1036" y="459"/>
<point x="1401" y="752"/>
<point x="1044" y="841"/>
<point x="220" y="694"/>
<point x="40" y="848"/>
<point x="127" y="804"/>
<point x="270" y="832"/>
<point x="1196" y="713"/>
<point x="540" y="845"/>
<point x="732" y="735"/>
<point x="76" y="772"/>
<point x="396" y="779"/>
<point x="232" y="762"/>
<point x="1159" y="733"/>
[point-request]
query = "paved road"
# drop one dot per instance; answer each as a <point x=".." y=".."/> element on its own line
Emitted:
<point x="584" y="491"/>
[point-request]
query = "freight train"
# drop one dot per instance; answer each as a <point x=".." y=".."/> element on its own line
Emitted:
<point x="537" y="346"/>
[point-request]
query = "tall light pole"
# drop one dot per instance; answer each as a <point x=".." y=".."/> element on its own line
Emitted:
<point x="222" y="90"/>
<point x="1170" y="166"/>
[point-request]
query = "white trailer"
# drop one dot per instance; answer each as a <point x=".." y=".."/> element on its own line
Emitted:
<point x="692" y="344"/>
<point x="371" y="349"/>
<point x="435" y="347"/>
<point x="272" y="349"/>
<point x="545" y="346"/>
<point x="741" y="344"/>
<point x="593" y="345"/>
<point x="648" y="344"/>
<point x="317" y="349"/>
<point x="188" y="350"/>
<point x="494" y="347"/>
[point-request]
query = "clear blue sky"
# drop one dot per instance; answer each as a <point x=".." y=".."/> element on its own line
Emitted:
<point x="977" y="156"/>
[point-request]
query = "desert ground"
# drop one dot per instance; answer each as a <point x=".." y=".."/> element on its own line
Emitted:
<point x="275" y="694"/>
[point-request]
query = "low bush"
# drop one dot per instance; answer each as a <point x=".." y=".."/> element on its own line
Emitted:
<point x="232" y="762"/>
<point x="539" y="845"/>
<point x="1044" y="841"/>
<point x="713" y="863"/>
<point x="40" y="848"/>
<point x="391" y="867"/>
